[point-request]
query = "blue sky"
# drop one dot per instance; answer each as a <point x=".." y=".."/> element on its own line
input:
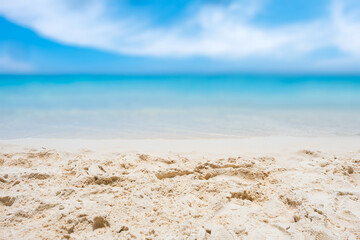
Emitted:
<point x="179" y="36"/>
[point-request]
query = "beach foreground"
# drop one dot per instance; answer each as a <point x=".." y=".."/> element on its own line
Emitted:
<point x="250" y="188"/>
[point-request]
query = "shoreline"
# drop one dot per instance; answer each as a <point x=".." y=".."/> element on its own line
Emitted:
<point x="246" y="144"/>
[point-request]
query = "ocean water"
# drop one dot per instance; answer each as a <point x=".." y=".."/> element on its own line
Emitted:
<point x="187" y="106"/>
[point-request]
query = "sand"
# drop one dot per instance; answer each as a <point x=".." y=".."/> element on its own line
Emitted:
<point x="250" y="188"/>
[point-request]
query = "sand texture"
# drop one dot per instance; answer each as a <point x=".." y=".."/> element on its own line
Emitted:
<point x="266" y="188"/>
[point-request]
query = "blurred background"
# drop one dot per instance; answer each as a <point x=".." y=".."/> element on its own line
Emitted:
<point x="189" y="68"/>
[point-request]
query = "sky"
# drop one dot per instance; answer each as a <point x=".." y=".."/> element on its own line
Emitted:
<point x="179" y="36"/>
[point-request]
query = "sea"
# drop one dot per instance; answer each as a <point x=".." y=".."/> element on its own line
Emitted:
<point x="178" y="106"/>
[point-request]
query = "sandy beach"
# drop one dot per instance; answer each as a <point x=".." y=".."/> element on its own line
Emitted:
<point x="180" y="120"/>
<point x="249" y="188"/>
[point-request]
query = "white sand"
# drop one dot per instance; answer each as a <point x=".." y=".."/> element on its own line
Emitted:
<point x="251" y="188"/>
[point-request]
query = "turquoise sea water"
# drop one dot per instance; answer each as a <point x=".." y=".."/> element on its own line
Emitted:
<point x="104" y="106"/>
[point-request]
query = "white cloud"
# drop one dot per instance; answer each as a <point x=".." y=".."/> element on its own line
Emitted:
<point x="214" y="31"/>
<point x="58" y="21"/>
<point x="10" y="65"/>
<point x="346" y="29"/>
